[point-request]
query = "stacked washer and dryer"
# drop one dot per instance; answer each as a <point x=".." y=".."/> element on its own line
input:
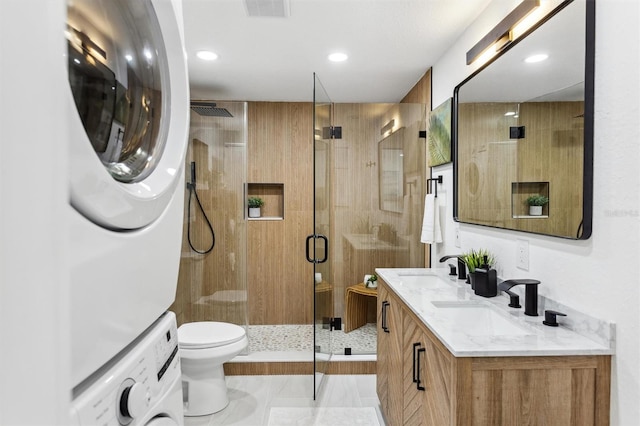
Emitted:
<point x="128" y="105"/>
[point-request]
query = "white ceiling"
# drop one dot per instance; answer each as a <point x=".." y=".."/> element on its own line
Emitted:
<point x="390" y="43"/>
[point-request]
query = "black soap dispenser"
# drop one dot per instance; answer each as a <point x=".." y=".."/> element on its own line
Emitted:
<point x="486" y="281"/>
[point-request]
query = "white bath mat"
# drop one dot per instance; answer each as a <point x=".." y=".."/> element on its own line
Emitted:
<point x="333" y="416"/>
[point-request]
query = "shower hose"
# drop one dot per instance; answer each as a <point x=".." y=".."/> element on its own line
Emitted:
<point x="192" y="191"/>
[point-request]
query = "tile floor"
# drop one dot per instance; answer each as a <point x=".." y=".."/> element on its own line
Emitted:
<point x="288" y="400"/>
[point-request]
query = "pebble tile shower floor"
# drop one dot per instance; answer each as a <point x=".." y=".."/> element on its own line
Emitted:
<point x="266" y="338"/>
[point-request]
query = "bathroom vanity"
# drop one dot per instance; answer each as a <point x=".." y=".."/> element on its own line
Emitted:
<point x="448" y="357"/>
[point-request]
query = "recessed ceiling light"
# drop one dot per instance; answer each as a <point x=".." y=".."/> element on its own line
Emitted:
<point x="536" y="58"/>
<point x="338" y="57"/>
<point x="206" y="55"/>
<point x="509" y="113"/>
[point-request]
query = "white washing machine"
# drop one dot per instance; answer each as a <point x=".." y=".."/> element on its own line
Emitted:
<point x="128" y="105"/>
<point x="141" y="386"/>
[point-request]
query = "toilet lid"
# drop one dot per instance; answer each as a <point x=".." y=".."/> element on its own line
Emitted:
<point x="208" y="334"/>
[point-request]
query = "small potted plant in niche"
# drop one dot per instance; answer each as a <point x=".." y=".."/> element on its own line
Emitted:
<point x="254" y="206"/>
<point x="536" y="202"/>
<point x="477" y="259"/>
<point x="371" y="281"/>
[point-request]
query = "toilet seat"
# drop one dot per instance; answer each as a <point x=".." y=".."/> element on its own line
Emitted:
<point x="208" y="334"/>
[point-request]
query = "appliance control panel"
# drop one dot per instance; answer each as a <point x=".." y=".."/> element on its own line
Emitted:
<point x="126" y="388"/>
<point x="166" y="350"/>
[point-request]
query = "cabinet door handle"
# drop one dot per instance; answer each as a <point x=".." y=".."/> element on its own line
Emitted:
<point x="385" y="304"/>
<point x="418" y="386"/>
<point x="415" y="372"/>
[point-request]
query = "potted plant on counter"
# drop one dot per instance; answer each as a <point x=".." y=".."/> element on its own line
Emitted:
<point x="254" y="206"/>
<point x="477" y="259"/>
<point x="536" y="202"/>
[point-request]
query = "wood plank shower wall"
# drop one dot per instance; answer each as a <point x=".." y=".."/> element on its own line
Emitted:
<point x="280" y="151"/>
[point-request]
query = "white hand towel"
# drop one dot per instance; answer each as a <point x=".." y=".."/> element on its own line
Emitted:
<point x="431" y="231"/>
<point x="437" y="231"/>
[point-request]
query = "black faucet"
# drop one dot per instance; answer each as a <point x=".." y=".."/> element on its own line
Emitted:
<point x="462" y="267"/>
<point x="514" y="299"/>
<point x="530" y="294"/>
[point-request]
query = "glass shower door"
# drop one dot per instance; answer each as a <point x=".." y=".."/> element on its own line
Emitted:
<point x="322" y="263"/>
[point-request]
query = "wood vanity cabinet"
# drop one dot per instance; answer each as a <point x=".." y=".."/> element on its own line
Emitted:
<point x="421" y="383"/>
<point x="389" y="354"/>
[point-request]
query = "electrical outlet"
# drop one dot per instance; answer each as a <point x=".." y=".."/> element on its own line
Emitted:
<point x="457" y="242"/>
<point x="522" y="254"/>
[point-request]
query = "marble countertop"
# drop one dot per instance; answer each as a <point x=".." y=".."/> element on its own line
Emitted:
<point x="474" y="326"/>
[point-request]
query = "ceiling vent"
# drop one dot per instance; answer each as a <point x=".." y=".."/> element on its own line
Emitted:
<point x="267" y="8"/>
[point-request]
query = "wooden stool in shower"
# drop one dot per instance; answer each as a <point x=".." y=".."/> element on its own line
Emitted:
<point x="357" y="301"/>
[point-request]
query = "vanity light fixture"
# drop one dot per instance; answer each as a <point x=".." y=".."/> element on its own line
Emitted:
<point x="338" y="57"/>
<point x="388" y="127"/>
<point x="501" y="35"/>
<point x="206" y="55"/>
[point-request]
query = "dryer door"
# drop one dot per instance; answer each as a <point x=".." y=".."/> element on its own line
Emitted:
<point x="128" y="79"/>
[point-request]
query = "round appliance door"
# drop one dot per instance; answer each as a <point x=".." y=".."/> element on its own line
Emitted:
<point x="128" y="79"/>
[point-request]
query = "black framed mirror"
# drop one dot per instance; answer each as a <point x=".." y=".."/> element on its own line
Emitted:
<point x="523" y="132"/>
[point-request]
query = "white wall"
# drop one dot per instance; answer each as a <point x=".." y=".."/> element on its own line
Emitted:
<point x="34" y="323"/>
<point x="597" y="276"/>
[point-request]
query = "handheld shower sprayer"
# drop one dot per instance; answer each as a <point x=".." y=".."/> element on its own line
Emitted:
<point x="192" y="184"/>
<point x="191" y="187"/>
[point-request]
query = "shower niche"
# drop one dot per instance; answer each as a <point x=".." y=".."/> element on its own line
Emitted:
<point x="273" y="196"/>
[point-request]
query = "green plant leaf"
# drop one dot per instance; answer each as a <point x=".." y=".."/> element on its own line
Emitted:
<point x="255" y="202"/>
<point x="475" y="259"/>
<point x="537" y="200"/>
<point x="439" y="140"/>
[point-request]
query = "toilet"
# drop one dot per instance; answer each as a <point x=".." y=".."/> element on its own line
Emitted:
<point x="204" y="347"/>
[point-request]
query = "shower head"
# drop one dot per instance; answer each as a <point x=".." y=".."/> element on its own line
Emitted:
<point x="209" y="109"/>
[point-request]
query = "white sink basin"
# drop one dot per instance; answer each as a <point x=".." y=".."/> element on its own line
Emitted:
<point x="478" y="319"/>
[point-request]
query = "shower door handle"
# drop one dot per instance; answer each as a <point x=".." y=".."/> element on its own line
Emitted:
<point x="309" y="259"/>
<point x="326" y="248"/>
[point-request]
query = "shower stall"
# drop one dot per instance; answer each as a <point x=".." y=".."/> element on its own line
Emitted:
<point x="361" y="187"/>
